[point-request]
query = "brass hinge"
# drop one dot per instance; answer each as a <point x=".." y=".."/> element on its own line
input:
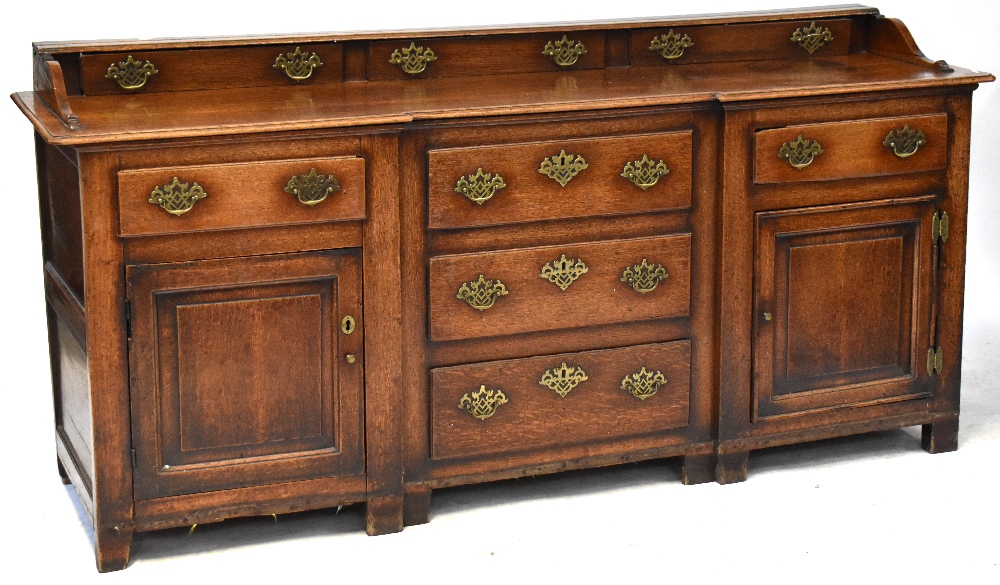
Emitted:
<point x="939" y="227"/>
<point x="935" y="360"/>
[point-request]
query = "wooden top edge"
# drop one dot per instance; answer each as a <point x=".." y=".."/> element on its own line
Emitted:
<point x="121" y="45"/>
<point x="106" y="129"/>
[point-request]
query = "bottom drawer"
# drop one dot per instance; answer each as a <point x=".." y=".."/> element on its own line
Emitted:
<point x="527" y="404"/>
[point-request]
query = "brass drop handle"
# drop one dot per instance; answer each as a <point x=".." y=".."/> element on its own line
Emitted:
<point x="644" y="277"/>
<point x="131" y="74"/>
<point x="480" y="187"/>
<point x="177" y="198"/>
<point x="645" y="172"/>
<point x="564" y="52"/>
<point x="298" y="65"/>
<point x="413" y="59"/>
<point x="643" y="383"/>
<point x="671" y="45"/>
<point x="904" y="142"/>
<point x="800" y="152"/>
<point x="811" y="37"/>
<point x="767" y="316"/>
<point x="312" y="188"/>
<point x="482" y="293"/>
<point x="483" y="403"/>
<point x="351" y="358"/>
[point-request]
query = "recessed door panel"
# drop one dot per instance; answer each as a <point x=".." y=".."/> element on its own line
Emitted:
<point x="843" y="306"/>
<point x="249" y="381"/>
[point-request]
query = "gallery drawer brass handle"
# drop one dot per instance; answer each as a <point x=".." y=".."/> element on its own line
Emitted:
<point x="800" y="152"/>
<point x="348" y="325"/>
<point x="479" y="187"/>
<point x="644" y="277"/>
<point x="483" y="403"/>
<point x="564" y="271"/>
<point x="644" y="173"/>
<point x="670" y="45"/>
<point x="298" y="65"/>
<point x="562" y="167"/>
<point x="643" y="383"/>
<point x="904" y="142"/>
<point x="811" y="37"/>
<point x="482" y="293"/>
<point x="130" y="73"/>
<point x="563" y="379"/>
<point x="177" y="198"/>
<point x="312" y="188"/>
<point x="412" y="59"/>
<point x="564" y="52"/>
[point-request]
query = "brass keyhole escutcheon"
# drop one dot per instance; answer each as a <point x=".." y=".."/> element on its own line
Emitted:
<point x="348" y="325"/>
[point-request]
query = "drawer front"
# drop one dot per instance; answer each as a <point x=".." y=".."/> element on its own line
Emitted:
<point x="241" y="195"/>
<point x="858" y="148"/>
<point x="197" y="69"/>
<point x="488" y="56"/>
<point x="559" y="287"/>
<point x="521" y="405"/>
<point x="593" y="187"/>
<point x="740" y="42"/>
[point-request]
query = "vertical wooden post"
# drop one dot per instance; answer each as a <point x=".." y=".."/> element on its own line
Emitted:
<point x="104" y="299"/>
<point x="383" y="334"/>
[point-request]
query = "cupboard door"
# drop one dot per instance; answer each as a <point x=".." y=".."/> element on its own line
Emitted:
<point x="843" y="301"/>
<point x="240" y="372"/>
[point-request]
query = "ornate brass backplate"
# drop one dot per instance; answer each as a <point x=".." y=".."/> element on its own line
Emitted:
<point x="904" y="142"/>
<point x="177" y="198"/>
<point x="564" y="271"/>
<point x="643" y="383"/>
<point x="298" y="65"/>
<point x="811" y="37"/>
<point x="130" y="73"/>
<point x="563" y="379"/>
<point x="564" y="52"/>
<point x="644" y="277"/>
<point x="670" y="45"/>
<point x="479" y="187"/>
<point x="644" y="173"/>
<point x="482" y="293"/>
<point x="800" y="152"/>
<point x="483" y="403"/>
<point x="412" y="59"/>
<point x="562" y="167"/>
<point x="312" y="188"/>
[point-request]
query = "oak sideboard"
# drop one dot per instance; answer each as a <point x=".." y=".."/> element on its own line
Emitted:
<point x="294" y="272"/>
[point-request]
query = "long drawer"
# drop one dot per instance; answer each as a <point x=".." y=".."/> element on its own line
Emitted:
<point x="559" y="287"/>
<point x="515" y="183"/>
<point x="527" y="404"/>
<point x="226" y="196"/>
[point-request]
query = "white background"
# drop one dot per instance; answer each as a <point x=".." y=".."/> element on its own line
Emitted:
<point x="864" y="508"/>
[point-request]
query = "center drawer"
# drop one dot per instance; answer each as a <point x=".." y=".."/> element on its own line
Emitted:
<point x="520" y="405"/>
<point x="559" y="287"/>
<point x="515" y="183"/>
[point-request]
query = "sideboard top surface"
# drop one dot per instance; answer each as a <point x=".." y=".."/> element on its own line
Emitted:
<point x="879" y="56"/>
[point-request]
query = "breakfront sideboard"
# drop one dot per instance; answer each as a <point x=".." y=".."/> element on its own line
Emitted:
<point x="289" y="273"/>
